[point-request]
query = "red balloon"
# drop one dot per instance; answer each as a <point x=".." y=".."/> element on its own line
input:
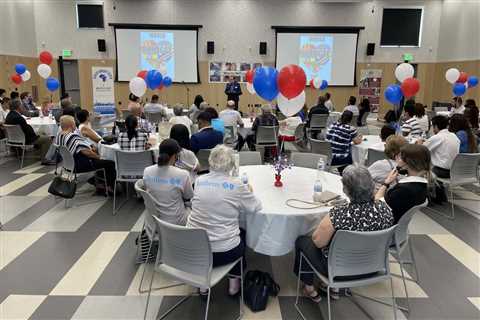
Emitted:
<point x="249" y="75"/>
<point x="142" y="74"/>
<point x="410" y="87"/>
<point x="463" y="77"/>
<point x="45" y="57"/>
<point x="160" y="87"/>
<point x="291" y="81"/>
<point x="16" y="78"/>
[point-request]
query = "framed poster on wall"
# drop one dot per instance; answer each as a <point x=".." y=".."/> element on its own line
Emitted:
<point x="220" y="72"/>
<point x="370" y="87"/>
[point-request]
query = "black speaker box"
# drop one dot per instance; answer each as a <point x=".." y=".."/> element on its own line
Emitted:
<point x="210" y="47"/>
<point x="370" y="49"/>
<point x="263" y="48"/>
<point x="102" y="46"/>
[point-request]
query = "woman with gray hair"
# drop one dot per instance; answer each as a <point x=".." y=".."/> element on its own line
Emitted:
<point x="217" y="202"/>
<point x="362" y="213"/>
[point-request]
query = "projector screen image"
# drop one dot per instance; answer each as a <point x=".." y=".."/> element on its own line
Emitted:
<point x="330" y="57"/>
<point x="172" y="50"/>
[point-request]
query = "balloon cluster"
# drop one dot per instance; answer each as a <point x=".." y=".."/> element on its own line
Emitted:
<point x="460" y="81"/>
<point x="21" y="74"/>
<point x="409" y="85"/>
<point x="44" y="70"/>
<point x="287" y="86"/>
<point x="318" y="83"/>
<point x="152" y="79"/>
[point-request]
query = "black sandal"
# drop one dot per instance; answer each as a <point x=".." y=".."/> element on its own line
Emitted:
<point x="314" y="295"/>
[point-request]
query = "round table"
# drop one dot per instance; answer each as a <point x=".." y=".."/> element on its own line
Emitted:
<point x="274" y="229"/>
<point x="443" y="113"/>
<point x="44" y="125"/>
<point x="360" y="151"/>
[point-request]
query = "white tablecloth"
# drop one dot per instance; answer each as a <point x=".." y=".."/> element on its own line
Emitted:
<point x="360" y="151"/>
<point x="44" y="125"/>
<point x="107" y="151"/>
<point x="443" y="113"/>
<point x="273" y="231"/>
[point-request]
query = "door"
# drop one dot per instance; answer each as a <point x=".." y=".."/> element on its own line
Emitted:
<point x="71" y="80"/>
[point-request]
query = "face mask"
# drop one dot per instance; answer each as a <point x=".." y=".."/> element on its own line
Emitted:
<point x="401" y="170"/>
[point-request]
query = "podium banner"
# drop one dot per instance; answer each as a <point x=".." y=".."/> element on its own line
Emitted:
<point x="103" y="87"/>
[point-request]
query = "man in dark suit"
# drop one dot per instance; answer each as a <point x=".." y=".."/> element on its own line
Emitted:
<point x="206" y="137"/>
<point x="233" y="91"/>
<point x="15" y="118"/>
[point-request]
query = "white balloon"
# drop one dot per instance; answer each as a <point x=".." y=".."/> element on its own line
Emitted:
<point x="452" y="75"/>
<point x="317" y="82"/>
<point x="250" y="88"/>
<point x="137" y="86"/>
<point x="292" y="106"/>
<point x="26" y="76"/>
<point x="44" y="70"/>
<point x="404" y="71"/>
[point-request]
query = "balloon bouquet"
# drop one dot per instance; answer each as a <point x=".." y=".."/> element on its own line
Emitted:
<point x="460" y="81"/>
<point x="44" y="70"/>
<point x="408" y="88"/>
<point x="21" y="74"/>
<point x="152" y="79"/>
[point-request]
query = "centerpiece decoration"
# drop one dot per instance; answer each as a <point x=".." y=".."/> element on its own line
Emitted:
<point x="280" y="163"/>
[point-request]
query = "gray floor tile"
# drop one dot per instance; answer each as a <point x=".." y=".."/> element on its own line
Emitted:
<point x="57" y="308"/>
<point x="34" y="185"/>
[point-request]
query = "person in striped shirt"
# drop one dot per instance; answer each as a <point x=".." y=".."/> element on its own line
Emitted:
<point x="410" y="126"/>
<point x="341" y="135"/>
<point x="85" y="156"/>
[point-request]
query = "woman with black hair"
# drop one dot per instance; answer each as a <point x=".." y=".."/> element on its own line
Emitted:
<point x="195" y="107"/>
<point x="132" y="139"/>
<point x="459" y="125"/>
<point x="169" y="186"/>
<point x="186" y="159"/>
<point x="83" y="116"/>
<point x="363" y="108"/>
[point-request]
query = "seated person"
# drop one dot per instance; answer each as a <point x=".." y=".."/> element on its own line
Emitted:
<point x="414" y="161"/>
<point x="194" y="110"/>
<point x="232" y="118"/>
<point x="42" y="142"/>
<point x="328" y="102"/>
<point x="154" y="106"/>
<point x="85" y="156"/>
<point x="392" y="120"/>
<point x="410" y="126"/>
<point x="178" y="118"/>
<point x="352" y="107"/>
<point x="218" y="201"/>
<point x="46" y="106"/>
<point x="362" y="213"/>
<point x="267" y="119"/>
<point x="459" y="125"/>
<point x="194" y="115"/>
<point x="341" y="135"/>
<point x="421" y="117"/>
<point x="320" y="108"/>
<point x="386" y="132"/>
<point x="169" y="186"/>
<point x="458" y="106"/>
<point x="206" y="137"/>
<point x="85" y="128"/>
<point x="143" y="124"/>
<point x="28" y="105"/>
<point x="471" y="113"/>
<point x="4" y="109"/>
<point x="132" y="139"/>
<point x="186" y="159"/>
<point x="134" y="101"/>
<point x="381" y="168"/>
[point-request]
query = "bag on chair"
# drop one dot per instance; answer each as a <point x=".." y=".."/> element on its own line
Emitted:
<point x="257" y="287"/>
<point x="63" y="187"/>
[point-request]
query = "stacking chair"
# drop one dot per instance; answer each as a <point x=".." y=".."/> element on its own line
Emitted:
<point x="16" y="139"/>
<point x="154" y="117"/>
<point x="202" y="156"/>
<point x="322" y="147"/>
<point x="364" y="124"/>
<point x="250" y="158"/>
<point x="354" y="120"/>
<point x="185" y="255"/>
<point x="266" y="136"/>
<point x="373" y="155"/>
<point x="307" y="160"/>
<point x="317" y="123"/>
<point x="401" y="241"/>
<point x="352" y="253"/>
<point x="129" y="166"/>
<point x="229" y="136"/>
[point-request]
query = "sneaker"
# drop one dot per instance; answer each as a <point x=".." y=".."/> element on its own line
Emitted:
<point x="334" y="292"/>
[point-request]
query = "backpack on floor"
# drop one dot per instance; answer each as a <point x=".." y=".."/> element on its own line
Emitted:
<point x="258" y="286"/>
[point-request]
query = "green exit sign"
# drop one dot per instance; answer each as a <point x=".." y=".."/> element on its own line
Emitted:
<point x="407" y="57"/>
<point x="66" y="53"/>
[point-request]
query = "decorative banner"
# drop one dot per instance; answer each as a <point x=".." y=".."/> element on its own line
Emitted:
<point x="219" y="72"/>
<point x="370" y="87"/>
<point x="102" y="82"/>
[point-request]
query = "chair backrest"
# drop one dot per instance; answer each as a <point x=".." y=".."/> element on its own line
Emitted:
<point x="354" y="120"/>
<point x="130" y="165"/>
<point x="374" y="155"/>
<point x="56" y="113"/>
<point x="321" y="147"/>
<point x="307" y="160"/>
<point x="300" y="132"/>
<point x="202" y="156"/>
<point x="150" y="211"/>
<point x="250" y="158"/>
<point x="154" y="117"/>
<point x="125" y="114"/>
<point x="318" y="121"/>
<point x="354" y="253"/>
<point x="68" y="163"/>
<point x="267" y="135"/>
<point x="363" y="120"/>
<point x="229" y="136"/>
<point x="401" y="232"/>
<point x="15" y="135"/>
<point x="185" y="249"/>
<point x="465" y="168"/>
<point x="440" y="109"/>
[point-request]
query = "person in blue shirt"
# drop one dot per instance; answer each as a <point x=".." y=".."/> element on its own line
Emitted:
<point x="459" y="125"/>
<point x="206" y="137"/>
<point x="233" y="91"/>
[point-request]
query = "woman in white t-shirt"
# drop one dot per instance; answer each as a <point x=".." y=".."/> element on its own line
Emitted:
<point x="186" y="159"/>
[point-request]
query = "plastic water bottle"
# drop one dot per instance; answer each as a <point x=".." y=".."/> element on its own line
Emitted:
<point x="317" y="190"/>
<point x="244" y="178"/>
<point x="320" y="168"/>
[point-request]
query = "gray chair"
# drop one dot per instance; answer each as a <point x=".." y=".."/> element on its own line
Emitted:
<point x="250" y="158"/>
<point x="300" y="135"/>
<point x="267" y="136"/>
<point x="364" y="124"/>
<point x="354" y="120"/>
<point x="154" y="117"/>
<point x="317" y="123"/>
<point x="185" y="255"/>
<point x="202" y="156"/>
<point x="129" y="166"/>
<point x="373" y="155"/>
<point x="229" y="136"/>
<point x="307" y="160"/>
<point x="322" y="147"/>
<point x="401" y="241"/>
<point x="351" y="253"/>
<point x="16" y="139"/>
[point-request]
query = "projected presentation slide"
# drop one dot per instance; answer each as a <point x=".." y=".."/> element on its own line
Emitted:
<point x="330" y="57"/>
<point x="172" y="50"/>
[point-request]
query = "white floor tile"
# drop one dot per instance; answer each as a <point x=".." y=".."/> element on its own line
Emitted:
<point x="16" y="307"/>
<point x="19" y="183"/>
<point x="12" y="206"/>
<point x="13" y="243"/>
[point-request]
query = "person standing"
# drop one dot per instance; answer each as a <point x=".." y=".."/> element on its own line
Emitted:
<point x="328" y="102"/>
<point x="233" y="91"/>
<point x="352" y="107"/>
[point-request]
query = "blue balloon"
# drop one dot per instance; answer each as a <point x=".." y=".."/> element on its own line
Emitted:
<point x="393" y="94"/>
<point x="167" y="81"/>
<point x="324" y="85"/>
<point x="459" y="89"/>
<point x="52" y="84"/>
<point x="265" y="82"/>
<point x="20" y="68"/>
<point x="153" y="79"/>
<point x="472" y="81"/>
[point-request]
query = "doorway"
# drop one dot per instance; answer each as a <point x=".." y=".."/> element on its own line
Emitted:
<point x="70" y="79"/>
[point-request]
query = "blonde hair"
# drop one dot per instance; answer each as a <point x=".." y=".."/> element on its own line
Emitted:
<point x="393" y="144"/>
<point x="67" y="122"/>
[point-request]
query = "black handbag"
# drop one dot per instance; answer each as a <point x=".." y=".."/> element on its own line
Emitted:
<point x="63" y="187"/>
<point x="258" y="286"/>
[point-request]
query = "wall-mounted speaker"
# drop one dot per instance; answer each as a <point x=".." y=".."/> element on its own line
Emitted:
<point x="210" y="47"/>
<point x="102" y="46"/>
<point x="370" y="49"/>
<point x="263" y="48"/>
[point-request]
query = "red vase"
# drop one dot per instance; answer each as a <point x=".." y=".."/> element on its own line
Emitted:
<point x="278" y="182"/>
